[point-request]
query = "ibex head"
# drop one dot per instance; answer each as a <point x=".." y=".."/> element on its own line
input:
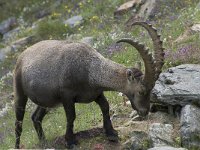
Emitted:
<point x="139" y="86"/>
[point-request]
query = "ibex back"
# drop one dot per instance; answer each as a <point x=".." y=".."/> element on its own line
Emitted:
<point x="58" y="72"/>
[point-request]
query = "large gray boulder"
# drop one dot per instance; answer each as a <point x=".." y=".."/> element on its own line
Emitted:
<point x="7" y="25"/>
<point x="178" y="86"/>
<point x="161" y="134"/>
<point x="190" y="127"/>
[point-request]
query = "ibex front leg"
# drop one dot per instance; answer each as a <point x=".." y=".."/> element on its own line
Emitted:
<point x="110" y="132"/>
<point x="70" y="113"/>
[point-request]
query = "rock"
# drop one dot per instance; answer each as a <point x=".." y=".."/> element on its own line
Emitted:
<point x="190" y="127"/>
<point x="22" y="42"/>
<point x="166" y="148"/>
<point x="5" y="110"/>
<point x="161" y="134"/>
<point x="88" y="40"/>
<point x="75" y="37"/>
<point x="7" y="25"/>
<point x="196" y="27"/>
<point x="122" y="130"/>
<point x="128" y="103"/>
<point x="7" y="37"/>
<point x="138" y="141"/>
<point x="127" y="6"/>
<point x="157" y="8"/>
<point x="74" y="21"/>
<point x="172" y="110"/>
<point x="15" y="46"/>
<point x="4" y="52"/>
<point x="147" y="10"/>
<point x="156" y="107"/>
<point x="151" y="9"/>
<point x="178" y="86"/>
<point x="163" y="117"/>
<point x="42" y="13"/>
<point x="133" y="114"/>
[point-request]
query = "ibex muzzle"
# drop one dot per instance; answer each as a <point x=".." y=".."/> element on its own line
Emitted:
<point x="59" y="72"/>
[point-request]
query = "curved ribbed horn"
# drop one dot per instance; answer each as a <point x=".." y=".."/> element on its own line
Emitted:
<point x="157" y="43"/>
<point x="149" y="77"/>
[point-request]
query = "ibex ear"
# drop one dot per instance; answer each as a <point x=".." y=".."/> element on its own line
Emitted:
<point x="129" y="75"/>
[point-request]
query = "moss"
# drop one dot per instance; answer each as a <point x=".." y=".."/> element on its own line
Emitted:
<point x="146" y="144"/>
<point x="177" y="141"/>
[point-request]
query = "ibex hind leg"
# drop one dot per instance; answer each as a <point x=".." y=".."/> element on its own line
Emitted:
<point x="20" y="104"/>
<point x="110" y="132"/>
<point x="37" y="118"/>
<point x="70" y="137"/>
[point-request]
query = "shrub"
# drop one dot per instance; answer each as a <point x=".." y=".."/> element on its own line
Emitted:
<point x="185" y="54"/>
<point x="49" y="29"/>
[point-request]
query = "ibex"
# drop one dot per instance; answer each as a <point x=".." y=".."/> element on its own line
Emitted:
<point x="58" y="72"/>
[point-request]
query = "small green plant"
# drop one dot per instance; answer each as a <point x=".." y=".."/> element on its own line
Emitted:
<point x="178" y="141"/>
<point x="146" y="144"/>
<point x="1" y="45"/>
<point x="52" y="29"/>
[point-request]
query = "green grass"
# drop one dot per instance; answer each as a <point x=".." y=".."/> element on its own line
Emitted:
<point x="25" y="9"/>
<point x="52" y="29"/>
<point x="54" y="124"/>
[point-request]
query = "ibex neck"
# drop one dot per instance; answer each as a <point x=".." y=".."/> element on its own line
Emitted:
<point x="110" y="76"/>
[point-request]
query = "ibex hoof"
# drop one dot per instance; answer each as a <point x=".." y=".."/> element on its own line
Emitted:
<point x="71" y="144"/>
<point x="17" y="147"/>
<point x="112" y="136"/>
<point x="42" y="139"/>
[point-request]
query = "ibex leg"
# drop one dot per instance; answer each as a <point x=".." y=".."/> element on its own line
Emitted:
<point x="110" y="132"/>
<point x="70" y="113"/>
<point x="37" y="118"/>
<point x="20" y="104"/>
